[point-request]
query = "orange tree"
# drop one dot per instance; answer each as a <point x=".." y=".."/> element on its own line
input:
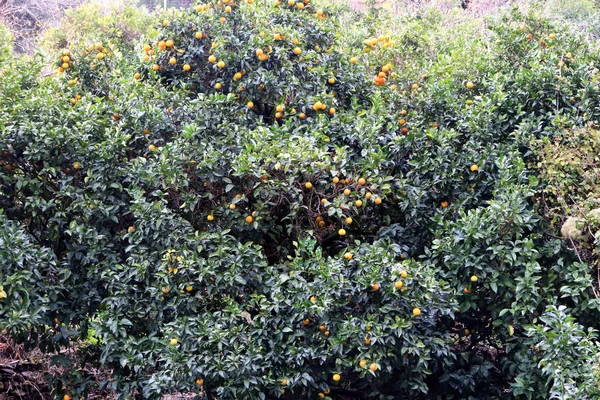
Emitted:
<point x="252" y="210"/>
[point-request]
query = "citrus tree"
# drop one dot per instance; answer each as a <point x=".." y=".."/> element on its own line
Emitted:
<point x="255" y="201"/>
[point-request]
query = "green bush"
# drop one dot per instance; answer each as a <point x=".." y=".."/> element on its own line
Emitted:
<point x="242" y="237"/>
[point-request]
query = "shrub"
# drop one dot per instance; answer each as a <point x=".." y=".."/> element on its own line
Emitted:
<point x="335" y="200"/>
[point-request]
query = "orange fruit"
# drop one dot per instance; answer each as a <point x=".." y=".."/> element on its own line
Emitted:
<point x="416" y="312"/>
<point x="313" y="299"/>
<point x="172" y="61"/>
<point x="332" y="111"/>
<point x="100" y="56"/>
<point x="368" y="195"/>
<point x="398" y="284"/>
<point x="66" y="397"/>
<point x="375" y="286"/>
<point x="259" y="52"/>
<point x="155" y="67"/>
<point x="200" y="382"/>
<point x="232" y="206"/>
<point x="199" y="35"/>
<point x="187" y="67"/>
<point x="210" y="218"/>
<point x="152" y="147"/>
<point x="131" y="229"/>
<point x="348" y="256"/>
<point x="336" y="377"/>
<point x="347" y="192"/>
<point x="367" y="341"/>
<point x="342" y="232"/>
<point x="297" y="51"/>
<point x="174" y="341"/>
<point x="474" y="278"/>
<point x="331" y="80"/>
<point x="469" y="85"/>
<point x="249" y="219"/>
<point x="308" y="185"/>
<point x="336" y="179"/>
<point x="362" y="363"/>
<point x="403" y="274"/>
<point x="218" y="86"/>
<point x="349" y="221"/>
<point x="301" y="115"/>
<point x="306" y="322"/>
<point x="362" y="181"/>
<point x="373" y="367"/>
<point x="212" y="59"/>
<point x="278" y="115"/>
<point x="250" y="104"/>
<point x="170" y="43"/>
<point x="444" y="204"/>
<point x="221" y="64"/>
<point x="474" y="168"/>
<point x="353" y="60"/>
<point x="137" y="75"/>
<point x="378" y="201"/>
<point x="358" y="203"/>
<point x="284" y="382"/>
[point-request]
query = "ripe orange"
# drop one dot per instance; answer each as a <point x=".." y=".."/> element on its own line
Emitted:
<point x="200" y="382"/>
<point x="414" y="86"/>
<point x="172" y="61"/>
<point x="336" y="377"/>
<point x="146" y="131"/>
<point x="367" y="341"/>
<point x="187" y="67"/>
<point x="373" y="367"/>
<point x="474" y="168"/>
<point x="222" y="20"/>
<point x="152" y="147"/>
<point x="342" y="232"/>
<point x="326" y="333"/>
<point x="358" y="203"/>
<point x="362" y="363"/>
<point x="218" y="86"/>
<point x="174" y="341"/>
<point x="155" y="67"/>
<point x="362" y="181"/>
<point x="347" y="192"/>
<point x="348" y="256"/>
<point x="403" y="274"/>
<point x="249" y="219"/>
<point x="416" y="312"/>
<point x="210" y="217"/>
<point x="322" y="328"/>
<point x="284" y="382"/>
<point x="131" y="229"/>
<point x="375" y="286"/>
<point x="278" y="115"/>
<point x="321" y="224"/>
<point x="313" y="299"/>
<point x="301" y="115"/>
<point x="332" y="111"/>
<point x="331" y="80"/>
<point x="170" y="43"/>
<point x="398" y="284"/>
<point x="474" y="278"/>
<point x="199" y="35"/>
<point x="402" y="121"/>
<point x="212" y="59"/>
<point x="306" y="322"/>
<point x="378" y="201"/>
<point x="228" y="9"/>
<point x="467" y="290"/>
<point x="221" y="64"/>
<point x="297" y="51"/>
<point x="250" y="104"/>
<point x="66" y="397"/>
<point x="322" y="395"/>
<point x="137" y="75"/>
<point x="469" y="85"/>
<point x="308" y="185"/>
<point x="100" y="56"/>
<point x="368" y="195"/>
<point x="232" y="206"/>
<point x="444" y="204"/>
<point x="336" y="179"/>
<point x="349" y="221"/>
<point x="353" y="60"/>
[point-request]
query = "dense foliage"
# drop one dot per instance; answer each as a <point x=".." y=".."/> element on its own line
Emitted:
<point x="256" y="200"/>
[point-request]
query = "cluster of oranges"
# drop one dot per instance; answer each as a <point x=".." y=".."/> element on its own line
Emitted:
<point x="99" y="48"/>
<point x="293" y="4"/>
<point x="382" y="75"/>
<point x="65" y="62"/>
<point x="372" y="43"/>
